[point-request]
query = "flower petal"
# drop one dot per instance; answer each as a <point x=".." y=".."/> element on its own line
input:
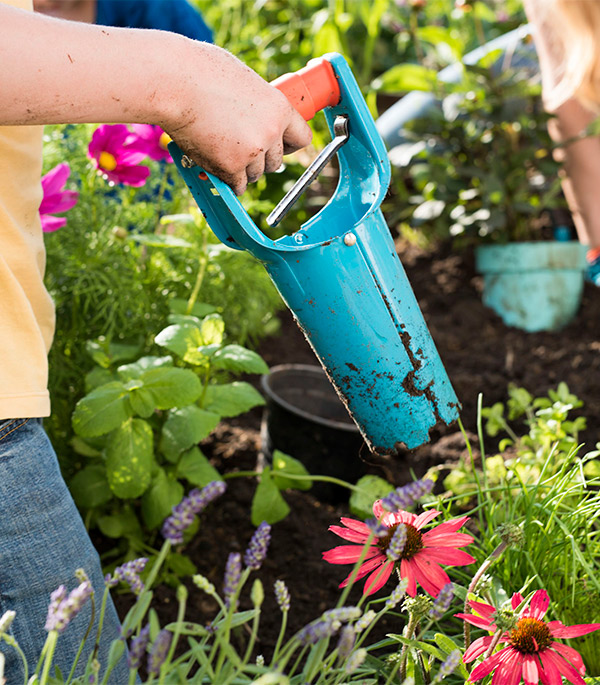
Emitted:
<point x="515" y="600"/>
<point x="378" y="578"/>
<point x="349" y="554"/>
<point x="509" y="670"/>
<point x="407" y="572"/>
<point x="59" y="202"/>
<point x="55" y="179"/>
<point x="577" y="630"/>
<point x="571" y="655"/>
<point x="359" y="526"/>
<point x="424" y="518"/>
<point x="487" y="666"/>
<point x="52" y="223"/>
<point x="366" y="568"/>
<point x="477" y="648"/>
<point x="476" y="621"/>
<point x="348" y="534"/>
<point x="432" y="539"/>
<point x="449" y="556"/>
<point x="549" y="673"/>
<point x="539" y="604"/>
<point x="483" y="609"/>
<point x="450" y="526"/>
<point x="530" y="670"/>
<point x="563" y="666"/>
<point x="429" y="575"/>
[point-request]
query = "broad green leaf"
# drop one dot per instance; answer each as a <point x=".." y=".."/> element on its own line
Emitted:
<point x="268" y="504"/>
<point x="184" y="340"/>
<point x="373" y="488"/>
<point x="283" y="462"/>
<point x="172" y="387"/>
<point x="97" y="377"/>
<point x="185" y="428"/>
<point x="240" y="359"/>
<point x="238" y="619"/>
<point x="142" y="402"/>
<point x="85" y="448"/>
<point x="195" y="467"/>
<point x="128" y="372"/>
<point x="89" y="487"/>
<point x="102" y="410"/>
<point x="105" y="354"/>
<point x="130" y="459"/>
<point x="232" y="399"/>
<point x="199" y="309"/>
<point x="123" y="524"/>
<point x="181" y="565"/>
<point x="160" y="498"/>
<point x="439" y="34"/>
<point x="212" y="329"/>
<point x="403" y="78"/>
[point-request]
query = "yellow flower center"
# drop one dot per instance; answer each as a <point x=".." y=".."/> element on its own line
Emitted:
<point x="164" y="140"/>
<point x="107" y="161"/>
<point x="530" y="636"/>
<point x="414" y="541"/>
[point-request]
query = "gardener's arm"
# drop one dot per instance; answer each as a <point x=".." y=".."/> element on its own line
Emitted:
<point x="219" y="111"/>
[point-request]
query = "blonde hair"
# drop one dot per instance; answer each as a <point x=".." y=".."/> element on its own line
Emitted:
<point x="575" y="38"/>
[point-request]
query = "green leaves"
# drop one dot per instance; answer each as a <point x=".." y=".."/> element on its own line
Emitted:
<point x="160" y="498"/>
<point x="232" y="399"/>
<point x="268" y="503"/>
<point x="130" y="459"/>
<point x="403" y="78"/>
<point x="371" y="489"/>
<point x="186" y="427"/>
<point x="239" y="359"/>
<point x="102" y="410"/>
<point x="195" y="467"/>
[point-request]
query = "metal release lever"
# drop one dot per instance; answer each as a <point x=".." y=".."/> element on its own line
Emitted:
<point x="340" y="129"/>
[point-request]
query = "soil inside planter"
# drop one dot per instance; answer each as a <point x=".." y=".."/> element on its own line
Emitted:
<point x="481" y="355"/>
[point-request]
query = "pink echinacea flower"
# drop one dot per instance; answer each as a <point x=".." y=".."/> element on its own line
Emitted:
<point x="56" y="199"/>
<point x="155" y="141"/>
<point x="532" y="655"/>
<point x="117" y="153"/>
<point x="419" y="560"/>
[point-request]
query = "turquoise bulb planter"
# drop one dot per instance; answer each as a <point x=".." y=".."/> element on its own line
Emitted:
<point x="534" y="286"/>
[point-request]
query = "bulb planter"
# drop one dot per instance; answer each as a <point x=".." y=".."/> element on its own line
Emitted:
<point x="533" y="286"/>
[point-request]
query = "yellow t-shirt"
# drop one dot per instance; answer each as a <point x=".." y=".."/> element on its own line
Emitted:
<point x="26" y="309"/>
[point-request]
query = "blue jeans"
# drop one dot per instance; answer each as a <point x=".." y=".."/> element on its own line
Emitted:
<point x="42" y="542"/>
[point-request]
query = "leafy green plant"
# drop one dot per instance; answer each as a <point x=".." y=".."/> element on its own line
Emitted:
<point x="482" y="168"/>
<point x="140" y="423"/>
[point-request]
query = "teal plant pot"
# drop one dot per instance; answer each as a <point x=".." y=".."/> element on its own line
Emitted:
<point x="533" y="286"/>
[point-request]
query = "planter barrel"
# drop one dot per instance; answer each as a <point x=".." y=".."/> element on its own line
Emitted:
<point x="534" y="286"/>
<point x="306" y="419"/>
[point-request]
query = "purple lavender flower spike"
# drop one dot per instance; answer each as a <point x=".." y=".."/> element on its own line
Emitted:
<point x="378" y="529"/>
<point x="184" y="512"/>
<point x="138" y="648"/>
<point x="407" y="496"/>
<point x="397" y="542"/>
<point x="128" y="573"/>
<point x="282" y="595"/>
<point x="159" y="652"/>
<point x="442" y="602"/>
<point x="257" y="549"/>
<point x="63" y="608"/>
<point x="233" y="572"/>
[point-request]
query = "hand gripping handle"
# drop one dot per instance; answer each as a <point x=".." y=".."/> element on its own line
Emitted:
<point x="310" y="89"/>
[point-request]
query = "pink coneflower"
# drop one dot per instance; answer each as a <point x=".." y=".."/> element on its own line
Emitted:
<point x="532" y="654"/>
<point x="419" y="559"/>
<point x="117" y="154"/>
<point x="56" y="199"/>
<point x="155" y="141"/>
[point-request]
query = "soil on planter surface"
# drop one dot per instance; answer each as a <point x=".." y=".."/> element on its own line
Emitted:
<point x="481" y="355"/>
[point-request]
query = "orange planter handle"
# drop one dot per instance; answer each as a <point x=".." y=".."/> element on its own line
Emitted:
<point x="310" y="89"/>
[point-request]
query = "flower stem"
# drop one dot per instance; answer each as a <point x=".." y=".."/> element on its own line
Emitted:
<point x="279" y="638"/>
<point x="180" y="617"/>
<point x="49" y="647"/>
<point x="85" y="637"/>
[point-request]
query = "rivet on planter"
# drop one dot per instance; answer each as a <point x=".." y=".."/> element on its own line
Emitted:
<point x="349" y="239"/>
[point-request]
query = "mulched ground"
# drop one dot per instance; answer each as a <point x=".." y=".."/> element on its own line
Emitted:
<point x="481" y="355"/>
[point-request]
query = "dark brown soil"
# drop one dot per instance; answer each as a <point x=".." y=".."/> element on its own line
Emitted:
<point x="481" y="355"/>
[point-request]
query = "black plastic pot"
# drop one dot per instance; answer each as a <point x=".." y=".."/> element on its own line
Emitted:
<point x="306" y="419"/>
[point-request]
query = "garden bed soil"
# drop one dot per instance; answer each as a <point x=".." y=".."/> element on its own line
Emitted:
<point x="481" y="355"/>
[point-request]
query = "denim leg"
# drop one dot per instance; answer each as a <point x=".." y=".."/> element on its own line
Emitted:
<point x="42" y="542"/>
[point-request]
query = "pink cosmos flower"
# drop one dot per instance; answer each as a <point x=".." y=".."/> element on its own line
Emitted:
<point x="117" y="154"/>
<point x="55" y="199"/>
<point x="419" y="560"/>
<point x="532" y="654"/>
<point x="155" y="141"/>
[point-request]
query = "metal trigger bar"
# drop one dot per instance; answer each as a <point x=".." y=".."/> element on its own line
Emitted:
<point x="340" y="130"/>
